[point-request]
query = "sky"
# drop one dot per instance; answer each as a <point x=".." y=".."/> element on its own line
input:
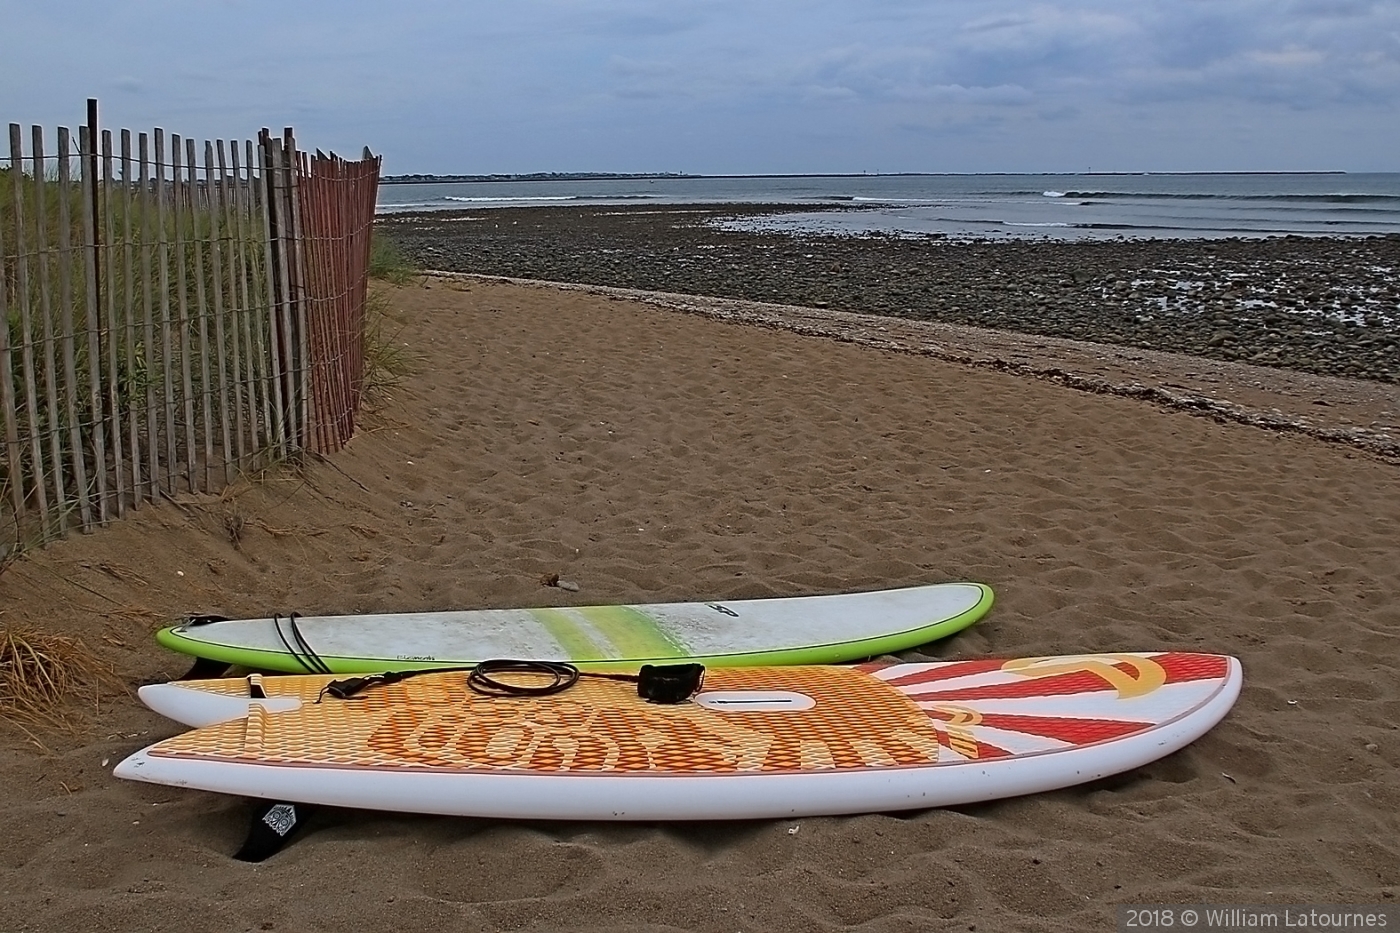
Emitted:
<point x="734" y="86"/>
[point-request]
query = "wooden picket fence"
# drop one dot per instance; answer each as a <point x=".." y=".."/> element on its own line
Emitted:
<point x="176" y="312"/>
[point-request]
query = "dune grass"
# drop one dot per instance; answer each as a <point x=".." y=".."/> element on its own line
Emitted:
<point x="158" y="275"/>
<point x="43" y="676"/>
<point x="387" y="261"/>
<point x="386" y="363"/>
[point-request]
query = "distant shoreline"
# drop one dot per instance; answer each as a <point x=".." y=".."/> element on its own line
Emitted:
<point x="1311" y="303"/>
<point x="427" y="179"/>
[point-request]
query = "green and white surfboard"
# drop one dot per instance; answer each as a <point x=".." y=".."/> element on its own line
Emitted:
<point x="788" y="630"/>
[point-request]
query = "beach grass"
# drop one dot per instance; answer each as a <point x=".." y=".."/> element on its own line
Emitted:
<point x="386" y="362"/>
<point x="158" y="272"/>
<point x="42" y="675"/>
<point x="389" y="263"/>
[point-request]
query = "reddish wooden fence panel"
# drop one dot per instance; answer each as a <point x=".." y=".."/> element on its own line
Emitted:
<point x="335" y="202"/>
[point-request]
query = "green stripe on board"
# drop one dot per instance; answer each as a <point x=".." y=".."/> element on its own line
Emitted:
<point x="633" y="633"/>
<point x="571" y="636"/>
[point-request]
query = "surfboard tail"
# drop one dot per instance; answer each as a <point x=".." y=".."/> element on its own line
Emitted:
<point x="196" y="708"/>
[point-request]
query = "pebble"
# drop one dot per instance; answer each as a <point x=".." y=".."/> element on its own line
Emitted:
<point x="1323" y="305"/>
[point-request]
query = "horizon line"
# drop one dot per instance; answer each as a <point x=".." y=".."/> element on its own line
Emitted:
<point x="418" y="177"/>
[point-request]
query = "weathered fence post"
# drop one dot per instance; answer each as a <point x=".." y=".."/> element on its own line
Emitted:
<point x="276" y="288"/>
<point x="172" y="320"/>
<point x="297" y="269"/>
<point x="88" y="163"/>
<point x="14" y="462"/>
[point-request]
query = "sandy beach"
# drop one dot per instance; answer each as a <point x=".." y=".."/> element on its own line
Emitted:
<point x="1324" y="305"/>
<point x="655" y="448"/>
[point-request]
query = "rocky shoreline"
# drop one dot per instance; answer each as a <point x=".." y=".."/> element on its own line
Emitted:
<point x="1329" y="306"/>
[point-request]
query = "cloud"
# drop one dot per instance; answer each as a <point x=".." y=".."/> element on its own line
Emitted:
<point x="1324" y="55"/>
<point x="711" y="82"/>
<point x="1292" y="57"/>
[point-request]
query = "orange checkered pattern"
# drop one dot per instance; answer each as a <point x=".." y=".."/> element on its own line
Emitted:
<point x="304" y="686"/>
<point x="598" y="726"/>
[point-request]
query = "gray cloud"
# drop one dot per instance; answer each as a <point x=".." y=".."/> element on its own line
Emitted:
<point x="731" y="85"/>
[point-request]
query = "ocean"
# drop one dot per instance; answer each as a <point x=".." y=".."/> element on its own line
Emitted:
<point x="1061" y="207"/>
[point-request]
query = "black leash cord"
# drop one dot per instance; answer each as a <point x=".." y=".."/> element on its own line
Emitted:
<point x="348" y="688"/>
<point x="305" y="646"/>
<point x="562" y="677"/>
<point x="304" y="654"/>
<point x="277" y="627"/>
<point x="658" y="684"/>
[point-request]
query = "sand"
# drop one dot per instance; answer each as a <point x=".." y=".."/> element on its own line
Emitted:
<point x="650" y="455"/>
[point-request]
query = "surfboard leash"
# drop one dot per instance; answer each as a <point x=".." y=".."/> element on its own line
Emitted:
<point x="305" y="655"/>
<point x="656" y="683"/>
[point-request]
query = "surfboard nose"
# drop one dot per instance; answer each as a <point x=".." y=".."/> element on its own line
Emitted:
<point x="130" y="767"/>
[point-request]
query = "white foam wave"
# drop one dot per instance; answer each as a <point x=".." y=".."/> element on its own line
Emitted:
<point x="564" y="197"/>
<point x="1053" y="194"/>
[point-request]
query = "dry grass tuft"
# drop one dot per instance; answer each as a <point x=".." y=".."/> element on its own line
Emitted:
<point x="234" y="524"/>
<point x="42" y="675"/>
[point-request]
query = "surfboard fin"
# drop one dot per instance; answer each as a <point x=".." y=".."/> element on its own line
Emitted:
<point x="273" y="826"/>
<point x="205" y="669"/>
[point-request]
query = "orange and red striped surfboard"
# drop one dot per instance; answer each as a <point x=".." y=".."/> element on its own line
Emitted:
<point x="755" y="742"/>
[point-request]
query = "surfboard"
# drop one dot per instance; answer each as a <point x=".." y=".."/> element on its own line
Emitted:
<point x="757" y="742"/>
<point x="784" y="630"/>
